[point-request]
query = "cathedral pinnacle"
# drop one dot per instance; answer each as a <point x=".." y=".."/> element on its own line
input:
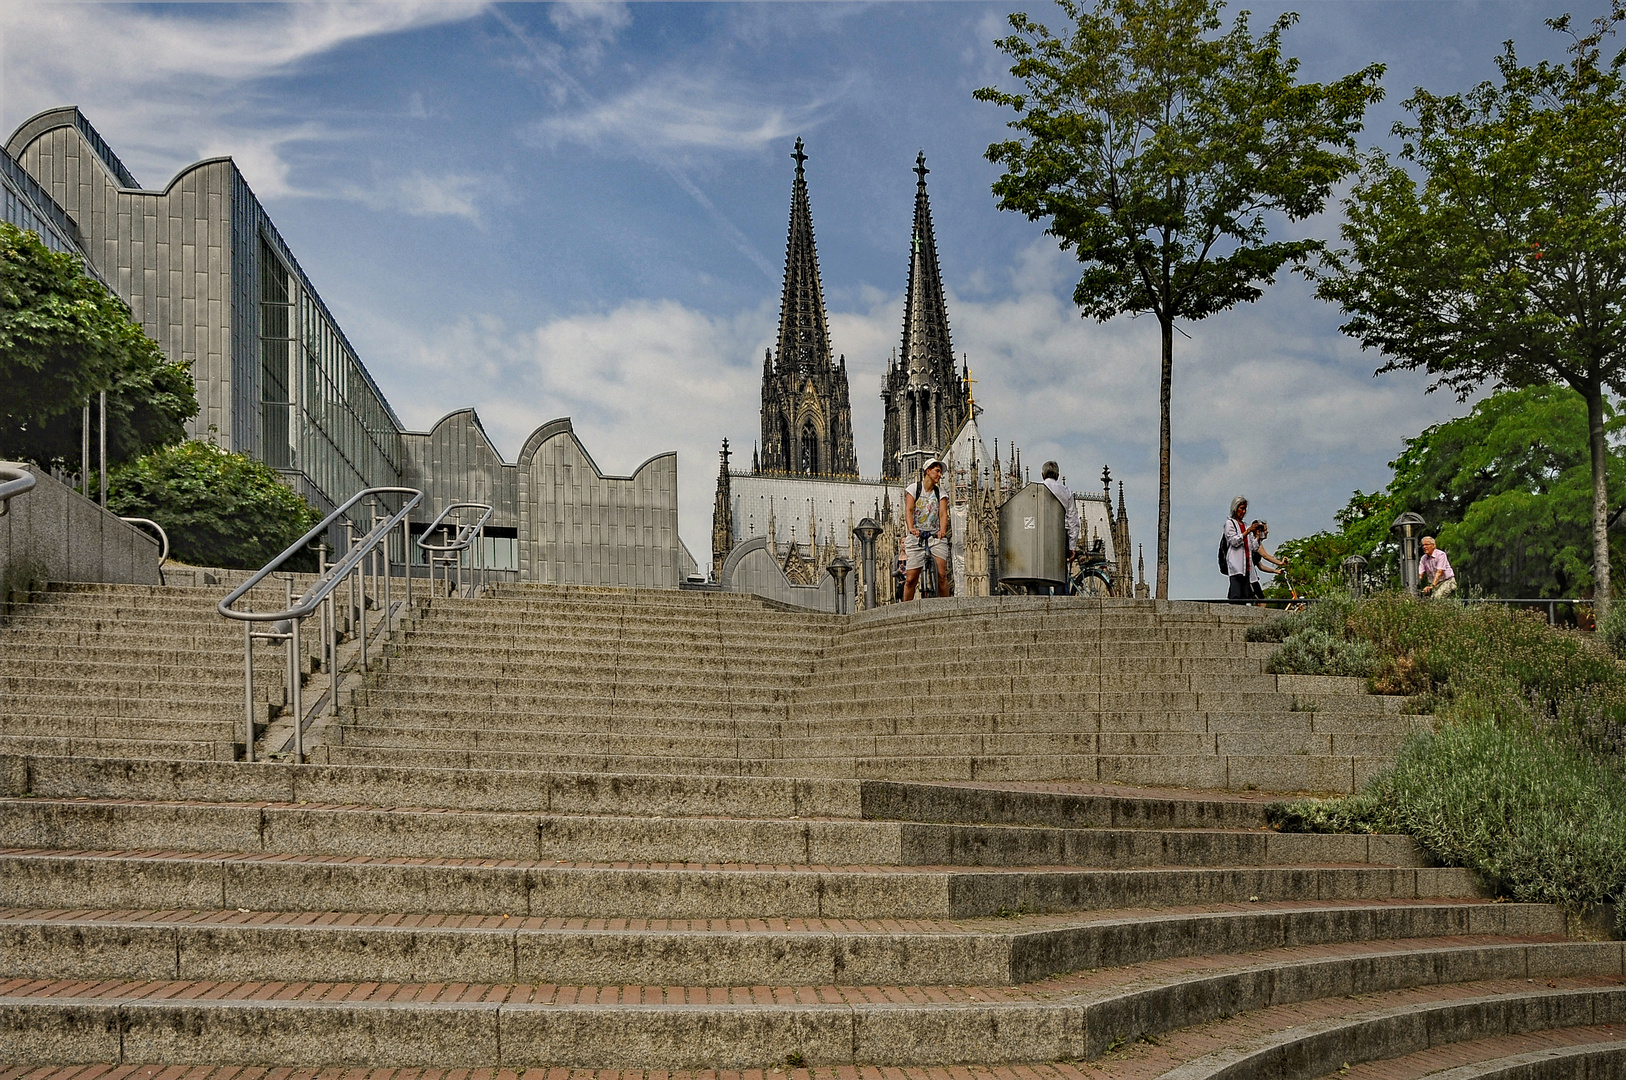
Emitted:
<point x="799" y="156"/>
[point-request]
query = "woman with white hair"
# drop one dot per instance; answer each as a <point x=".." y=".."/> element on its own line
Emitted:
<point x="1236" y="550"/>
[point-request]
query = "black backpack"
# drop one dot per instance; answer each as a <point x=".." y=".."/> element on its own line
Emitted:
<point x="1224" y="563"/>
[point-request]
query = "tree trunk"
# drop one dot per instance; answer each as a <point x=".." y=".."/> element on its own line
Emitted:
<point x="1163" y="460"/>
<point x="1600" y="500"/>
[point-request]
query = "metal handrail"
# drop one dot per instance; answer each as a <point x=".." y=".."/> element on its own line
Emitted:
<point x="359" y="563"/>
<point x="14" y="480"/>
<point x="465" y="534"/>
<point x="163" y="537"/>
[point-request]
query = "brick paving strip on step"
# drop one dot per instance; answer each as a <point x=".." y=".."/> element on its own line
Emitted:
<point x="1437" y="1059"/>
<point x="439" y="920"/>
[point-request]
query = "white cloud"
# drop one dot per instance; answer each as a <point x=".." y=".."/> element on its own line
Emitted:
<point x="593" y="24"/>
<point x="175" y="84"/>
<point x="423" y="195"/>
<point x="681" y="110"/>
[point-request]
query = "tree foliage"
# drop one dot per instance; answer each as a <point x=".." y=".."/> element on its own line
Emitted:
<point x="219" y="508"/>
<point x="1507" y="491"/>
<point x="1506" y="262"/>
<point x="63" y="339"/>
<point x="1156" y="143"/>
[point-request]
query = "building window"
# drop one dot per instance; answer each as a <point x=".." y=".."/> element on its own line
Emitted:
<point x="276" y="351"/>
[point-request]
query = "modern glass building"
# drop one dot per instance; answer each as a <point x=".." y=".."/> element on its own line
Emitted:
<point x="207" y="275"/>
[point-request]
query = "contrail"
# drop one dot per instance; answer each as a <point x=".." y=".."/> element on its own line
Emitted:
<point x="681" y="179"/>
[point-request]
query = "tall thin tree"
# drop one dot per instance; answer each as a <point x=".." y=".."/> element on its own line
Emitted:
<point x="1156" y="145"/>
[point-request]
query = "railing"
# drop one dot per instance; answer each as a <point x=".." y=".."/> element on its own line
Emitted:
<point x="449" y="554"/>
<point x="14" y="480"/>
<point x="368" y="557"/>
<point x="163" y="541"/>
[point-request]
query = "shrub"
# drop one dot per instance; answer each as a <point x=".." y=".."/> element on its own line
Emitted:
<point x="1313" y="651"/>
<point x="1613" y="631"/>
<point x="219" y="508"/>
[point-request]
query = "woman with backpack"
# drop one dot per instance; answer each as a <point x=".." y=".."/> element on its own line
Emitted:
<point x="1236" y="550"/>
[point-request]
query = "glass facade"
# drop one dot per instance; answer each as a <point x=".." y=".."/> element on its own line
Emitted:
<point x="27" y="205"/>
<point x="321" y="416"/>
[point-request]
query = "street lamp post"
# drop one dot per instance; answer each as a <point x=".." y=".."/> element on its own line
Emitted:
<point x="1408" y="533"/>
<point x="839" y="568"/>
<point x="867" y="531"/>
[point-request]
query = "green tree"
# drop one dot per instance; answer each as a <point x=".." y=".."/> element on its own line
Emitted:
<point x="63" y="339"/>
<point x="1506" y="263"/>
<point x="219" y="508"/>
<point x="1507" y="490"/>
<point x="1156" y="145"/>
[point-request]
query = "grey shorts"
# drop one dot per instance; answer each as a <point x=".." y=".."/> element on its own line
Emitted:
<point x="914" y="552"/>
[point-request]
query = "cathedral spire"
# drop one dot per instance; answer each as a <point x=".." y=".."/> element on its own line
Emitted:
<point x="926" y="397"/>
<point x="804" y="335"/>
<point x="806" y="414"/>
<point x="927" y="353"/>
<point x="722" y="519"/>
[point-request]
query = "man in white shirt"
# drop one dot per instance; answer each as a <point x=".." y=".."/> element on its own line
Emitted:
<point x="1051" y="475"/>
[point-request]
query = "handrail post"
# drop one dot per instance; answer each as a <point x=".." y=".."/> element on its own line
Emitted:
<point x="406" y="554"/>
<point x="298" y="697"/>
<point x="294" y="660"/>
<point x="333" y="651"/>
<point x="384" y="558"/>
<point x="248" y="687"/>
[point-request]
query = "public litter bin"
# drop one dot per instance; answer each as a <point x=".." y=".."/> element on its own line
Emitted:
<point x="1033" y="540"/>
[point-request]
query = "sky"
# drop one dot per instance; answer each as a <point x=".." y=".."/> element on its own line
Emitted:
<point x="580" y="209"/>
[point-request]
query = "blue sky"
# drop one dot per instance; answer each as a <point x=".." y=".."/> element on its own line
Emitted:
<point x="580" y="209"/>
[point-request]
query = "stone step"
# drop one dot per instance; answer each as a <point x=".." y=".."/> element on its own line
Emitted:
<point x="1589" y="1053"/>
<point x="438" y="834"/>
<point x="431" y="711"/>
<point x="589" y="793"/>
<point x="163" y="880"/>
<point x="79" y="725"/>
<point x="1236" y="772"/>
<point x="163" y="709"/>
<point x="516" y="1026"/>
<point x="89" y="747"/>
<point x="1381" y="1034"/>
<point x="334" y="947"/>
<point x="147" y="686"/>
<point x="790" y="747"/>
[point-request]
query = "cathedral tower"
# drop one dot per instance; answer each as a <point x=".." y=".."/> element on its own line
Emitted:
<point x="926" y="400"/>
<point x="807" y="424"/>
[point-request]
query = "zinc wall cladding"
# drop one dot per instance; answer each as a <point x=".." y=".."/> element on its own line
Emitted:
<point x="581" y="527"/>
<point x="455" y="461"/>
<point x="167" y="254"/>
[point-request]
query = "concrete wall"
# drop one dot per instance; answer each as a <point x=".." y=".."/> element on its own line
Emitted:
<point x="750" y="568"/>
<point x="53" y="533"/>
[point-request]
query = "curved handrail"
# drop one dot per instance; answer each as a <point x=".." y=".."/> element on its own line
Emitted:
<point x="163" y="537"/>
<point x="465" y="533"/>
<point x="14" y="480"/>
<point x="325" y="584"/>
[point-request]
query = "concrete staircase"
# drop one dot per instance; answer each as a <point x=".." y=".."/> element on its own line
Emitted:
<point x="1001" y="689"/>
<point x="134" y="671"/>
<point x="602" y="831"/>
